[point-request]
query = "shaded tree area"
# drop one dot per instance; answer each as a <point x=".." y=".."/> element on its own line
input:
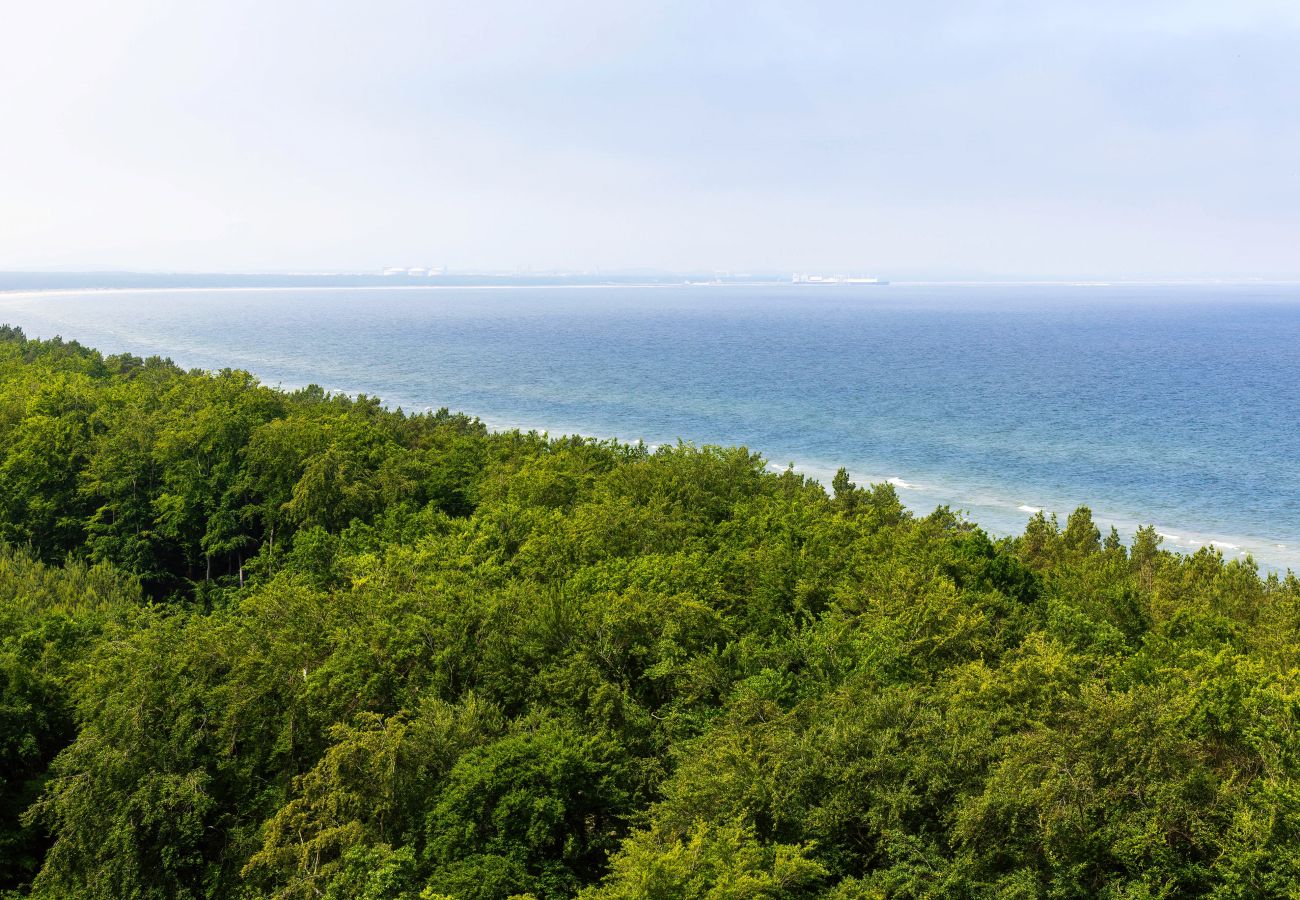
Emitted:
<point x="257" y="643"/>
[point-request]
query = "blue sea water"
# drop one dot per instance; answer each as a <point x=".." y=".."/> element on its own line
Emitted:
<point x="1172" y="405"/>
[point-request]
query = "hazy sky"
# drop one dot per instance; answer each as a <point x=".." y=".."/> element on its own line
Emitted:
<point x="905" y="138"/>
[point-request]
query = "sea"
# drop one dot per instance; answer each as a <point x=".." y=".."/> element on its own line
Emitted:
<point x="1171" y="405"/>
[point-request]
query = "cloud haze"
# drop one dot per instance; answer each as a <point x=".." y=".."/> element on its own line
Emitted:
<point x="1022" y="139"/>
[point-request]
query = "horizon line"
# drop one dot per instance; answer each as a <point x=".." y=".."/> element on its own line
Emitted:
<point x="768" y="277"/>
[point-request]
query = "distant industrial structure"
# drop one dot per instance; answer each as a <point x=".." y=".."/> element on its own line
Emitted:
<point x="799" y="278"/>
<point x="416" y="271"/>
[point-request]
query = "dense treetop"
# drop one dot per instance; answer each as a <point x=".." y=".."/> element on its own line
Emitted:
<point x="257" y="643"/>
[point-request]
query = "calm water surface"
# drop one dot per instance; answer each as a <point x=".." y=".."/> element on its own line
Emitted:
<point x="1172" y="405"/>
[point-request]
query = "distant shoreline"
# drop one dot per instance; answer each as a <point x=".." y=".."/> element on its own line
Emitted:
<point x="43" y="292"/>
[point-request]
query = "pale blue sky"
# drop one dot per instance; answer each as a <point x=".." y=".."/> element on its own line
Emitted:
<point x="942" y="139"/>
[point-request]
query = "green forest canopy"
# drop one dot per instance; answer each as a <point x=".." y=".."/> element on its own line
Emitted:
<point x="257" y="643"/>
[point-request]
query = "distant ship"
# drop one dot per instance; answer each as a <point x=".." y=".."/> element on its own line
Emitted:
<point x="833" y="279"/>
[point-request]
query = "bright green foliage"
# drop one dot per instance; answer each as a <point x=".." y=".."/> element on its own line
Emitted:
<point x="713" y="862"/>
<point x="293" y="645"/>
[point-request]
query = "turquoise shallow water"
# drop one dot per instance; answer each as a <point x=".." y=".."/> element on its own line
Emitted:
<point x="1171" y="405"/>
